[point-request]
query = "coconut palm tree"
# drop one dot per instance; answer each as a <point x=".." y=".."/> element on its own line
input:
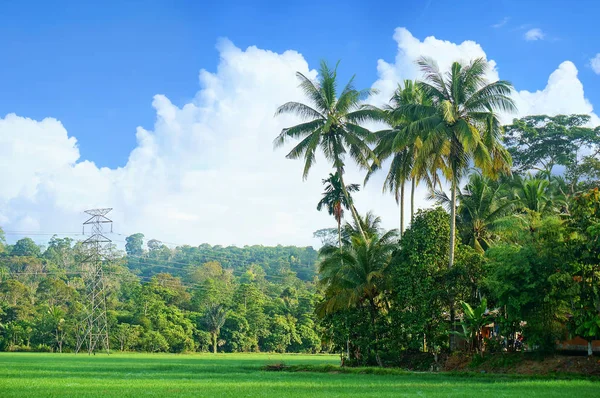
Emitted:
<point x="331" y="123"/>
<point x="215" y="319"/>
<point x="335" y="201"/>
<point x="370" y="225"/>
<point x="401" y="146"/>
<point x="460" y="126"/>
<point x="357" y="275"/>
<point x="483" y="210"/>
<point x="534" y="194"/>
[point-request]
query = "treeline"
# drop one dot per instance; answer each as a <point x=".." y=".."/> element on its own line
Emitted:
<point x="275" y="260"/>
<point x="161" y="300"/>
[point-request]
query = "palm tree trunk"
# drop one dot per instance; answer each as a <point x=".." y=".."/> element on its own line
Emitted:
<point x="401" y="208"/>
<point x="452" y="223"/>
<point x="340" y="233"/>
<point x="350" y="204"/>
<point x="451" y="256"/>
<point x="412" y="200"/>
<point x="373" y="308"/>
<point x="214" y="343"/>
<point x="348" y="348"/>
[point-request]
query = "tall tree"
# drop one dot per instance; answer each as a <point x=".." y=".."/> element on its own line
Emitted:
<point x="335" y="200"/>
<point x="26" y="247"/>
<point x="402" y="147"/>
<point x="541" y="142"/>
<point x="331" y="123"/>
<point x="134" y="243"/>
<point x="215" y="319"/>
<point x="461" y="124"/>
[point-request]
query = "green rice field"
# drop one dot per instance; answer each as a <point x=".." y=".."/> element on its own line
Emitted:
<point x="241" y="375"/>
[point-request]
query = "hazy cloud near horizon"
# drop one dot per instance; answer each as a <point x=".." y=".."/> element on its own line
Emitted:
<point x="207" y="171"/>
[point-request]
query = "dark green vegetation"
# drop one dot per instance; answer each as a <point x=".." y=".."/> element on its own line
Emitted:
<point x="236" y="375"/>
<point x="513" y="260"/>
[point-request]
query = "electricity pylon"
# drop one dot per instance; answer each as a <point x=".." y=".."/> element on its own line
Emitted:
<point x="95" y="323"/>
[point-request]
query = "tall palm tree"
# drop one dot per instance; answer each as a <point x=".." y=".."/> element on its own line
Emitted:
<point x="335" y="200"/>
<point x="461" y="125"/>
<point x="331" y="123"/>
<point x="402" y="147"/>
<point x="215" y="319"/>
<point x="357" y="275"/>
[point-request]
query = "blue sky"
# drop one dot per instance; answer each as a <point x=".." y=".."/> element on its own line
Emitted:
<point x="96" y="65"/>
<point x="201" y="168"/>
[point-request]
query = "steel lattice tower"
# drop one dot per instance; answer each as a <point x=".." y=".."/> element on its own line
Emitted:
<point x="94" y="326"/>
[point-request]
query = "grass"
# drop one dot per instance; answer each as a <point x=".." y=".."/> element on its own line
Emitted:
<point x="241" y="375"/>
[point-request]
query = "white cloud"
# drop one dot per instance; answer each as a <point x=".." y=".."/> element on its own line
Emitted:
<point x="562" y="95"/>
<point x="534" y="34"/>
<point x="595" y="64"/>
<point x="501" y="23"/>
<point x="206" y="171"/>
<point x="410" y="49"/>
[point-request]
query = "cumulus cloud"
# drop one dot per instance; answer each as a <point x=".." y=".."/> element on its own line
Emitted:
<point x="206" y="171"/>
<point x="562" y="95"/>
<point x="534" y="34"/>
<point x="410" y="49"/>
<point x="595" y="64"/>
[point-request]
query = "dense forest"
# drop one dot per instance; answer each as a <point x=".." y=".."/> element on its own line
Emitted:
<point x="507" y="259"/>
<point x="161" y="299"/>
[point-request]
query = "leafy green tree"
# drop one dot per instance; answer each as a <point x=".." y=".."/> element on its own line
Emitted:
<point x="127" y="335"/>
<point x="418" y="274"/>
<point x="584" y="247"/>
<point x="26" y="247"/>
<point x="153" y="341"/>
<point x="60" y="253"/>
<point x="529" y="281"/>
<point x="370" y="224"/>
<point x="282" y="333"/>
<point x="134" y="244"/>
<point x="541" y="142"/>
<point x="331" y="123"/>
<point x="585" y="174"/>
<point x="56" y="316"/>
<point x="335" y="199"/>
<point x="327" y="236"/>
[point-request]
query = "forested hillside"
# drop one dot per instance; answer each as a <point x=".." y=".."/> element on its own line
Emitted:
<point x="181" y="260"/>
<point x="161" y="299"/>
